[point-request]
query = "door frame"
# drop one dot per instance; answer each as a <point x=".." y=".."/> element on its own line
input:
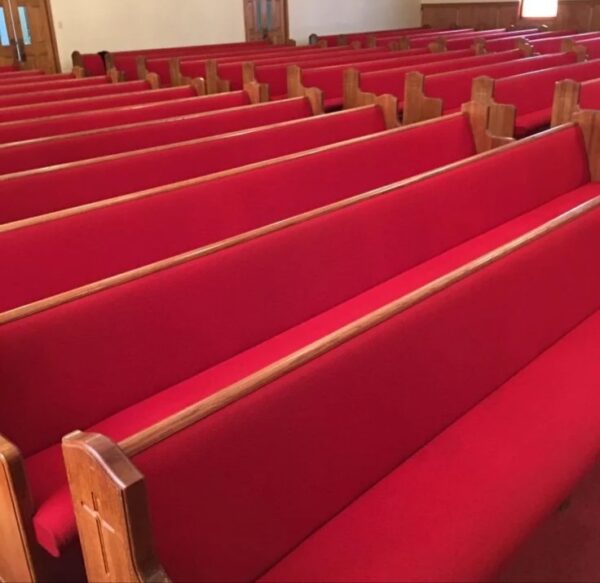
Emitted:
<point x="286" y="23"/>
<point x="53" y="40"/>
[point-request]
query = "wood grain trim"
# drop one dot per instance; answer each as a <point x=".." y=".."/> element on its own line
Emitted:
<point x="147" y="270"/>
<point x="417" y="106"/>
<point x="175" y="74"/>
<point x="589" y="122"/>
<point x="19" y="555"/>
<point x="566" y="101"/>
<point x="111" y="509"/>
<point x="180" y="421"/>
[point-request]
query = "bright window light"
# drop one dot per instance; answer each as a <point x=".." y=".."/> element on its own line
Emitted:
<point x="540" y="8"/>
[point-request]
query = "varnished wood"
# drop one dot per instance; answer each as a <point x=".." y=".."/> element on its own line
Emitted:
<point x="153" y="80"/>
<point x="352" y="92"/>
<point x="296" y="89"/>
<point x="566" y="101"/>
<point x="18" y="555"/>
<point x="78" y="72"/>
<point x="198" y="85"/>
<point x="146" y="270"/>
<point x="180" y="421"/>
<point x="438" y="46"/>
<point x="257" y="92"/>
<point x="175" y="72"/>
<point x="77" y="59"/>
<point x="589" y="122"/>
<point x="141" y="68"/>
<point x="417" y="106"/>
<point x="111" y="509"/>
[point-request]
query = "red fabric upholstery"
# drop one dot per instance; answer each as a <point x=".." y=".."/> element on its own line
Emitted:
<point x="151" y="350"/>
<point x="35" y="77"/>
<point x="330" y="79"/>
<point x="199" y="210"/>
<point x="55" y="188"/>
<point x="554" y="44"/>
<point x="392" y="80"/>
<point x="454" y="88"/>
<point x="507" y="43"/>
<point x="72" y="106"/>
<point x="466" y="41"/>
<point x="93" y="64"/>
<point x="423" y="40"/>
<point x="459" y="506"/>
<point x="84" y="145"/>
<point x="91" y="120"/>
<point x="48" y="85"/>
<point x="67" y="94"/>
<point x="589" y="98"/>
<point x="592" y="47"/>
<point x="532" y="93"/>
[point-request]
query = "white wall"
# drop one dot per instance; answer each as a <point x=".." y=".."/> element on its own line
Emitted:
<point x="339" y="16"/>
<point x="92" y="26"/>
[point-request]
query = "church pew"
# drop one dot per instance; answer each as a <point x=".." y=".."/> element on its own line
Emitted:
<point x="571" y="97"/>
<point x="347" y="38"/>
<point x="9" y="72"/>
<point x="427" y="39"/>
<point x="167" y="68"/>
<point x="361" y="88"/>
<point x="275" y="483"/>
<point x="33" y="78"/>
<point x="330" y="79"/>
<point x="91" y="63"/>
<point x="544" y="175"/>
<point x="230" y="76"/>
<point x="72" y="106"/>
<point x="422" y="39"/>
<point x="428" y="96"/>
<point x="591" y="47"/>
<point x="555" y="44"/>
<point x="70" y="123"/>
<point x="505" y="44"/>
<point x="520" y="105"/>
<point x="17" y="99"/>
<point x="119" y="174"/>
<point x="43" y="152"/>
<point x="39" y="85"/>
<point x="466" y="41"/>
<point x="190" y="204"/>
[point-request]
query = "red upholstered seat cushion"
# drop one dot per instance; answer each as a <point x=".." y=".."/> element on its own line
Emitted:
<point x="459" y="506"/>
<point x="529" y="123"/>
<point x="54" y="522"/>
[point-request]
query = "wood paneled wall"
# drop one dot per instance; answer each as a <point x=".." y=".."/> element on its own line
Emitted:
<point x="577" y="14"/>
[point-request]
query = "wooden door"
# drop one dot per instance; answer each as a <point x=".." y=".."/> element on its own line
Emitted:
<point x="266" y="19"/>
<point x="35" y="36"/>
<point x="8" y="43"/>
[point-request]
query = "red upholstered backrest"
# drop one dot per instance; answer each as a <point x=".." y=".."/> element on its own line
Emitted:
<point x="131" y="341"/>
<point x="93" y="64"/>
<point x="454" y="88"/>
<point x="64" y="94"/>
<point x="330" y="79"/>
<point x="534" y="91"/>
<point x="31" y="194"/>
<point x="90" y="120"/>
<point x="392" y="80"/>
<point x="69" y="148"/>
<point x="589" y="97"/>
<point x="35" y="77"/>
<point x="44" y="85"/>
<point x="554" y="44"/>
<point x="71" y="106"/>
<point x="464" y="42"/>
<point x="261" y="475"/>
<point x="592" y="47"/>
<point x="204" y="213"/>
<point x="424" y="39"/>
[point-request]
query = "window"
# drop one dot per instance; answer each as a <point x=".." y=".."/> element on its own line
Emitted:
<point x="539" y="8"/>
<point x="24" y="25"/>
<point x="4" y="40"/>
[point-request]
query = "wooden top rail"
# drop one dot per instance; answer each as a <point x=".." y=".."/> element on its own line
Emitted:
<point x="180" y="421"/>
<point x="162" y="265"/>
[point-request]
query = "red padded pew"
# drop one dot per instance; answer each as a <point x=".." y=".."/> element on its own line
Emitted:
<point x="17" y="99"/>
<point x="91" y="63"/>
<point x="330" y="79"/>
<point x="524" y="102"/>
<point x="571" y="97"/>
<point x="428" y="96"/>
<point x="90" y="120"/>
<point x="38" y="85"/>
<point x="438" y="39"/>
<point x="73" y="106"/>
<point x="182" y="217"/>
<point x="507" y="43"/>
<point x="466" y="41"/>
<point x="590" y="47"/>
<point x="358" y="86"/>
<point x="346" y="39"/>
<point x="54" y="150"/>
<point x="167" y="351"/>
<point x="33" y="77"/>
<point x="555" y="44"/>
<point x="275" y="483"/>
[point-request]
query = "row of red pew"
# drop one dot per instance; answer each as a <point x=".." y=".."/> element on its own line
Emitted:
<point x="219" y="294"/>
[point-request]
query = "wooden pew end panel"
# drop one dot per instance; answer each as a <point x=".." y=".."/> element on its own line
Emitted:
<point x="214" y="84"/>
<point x="175" y="72"/>
<point x="389" y="108"/>
<point x="437" y="46"/>
<point x="19" y="552"/>
<point x="257" y="92"/>
<point x="153" y="80"/>
<point x="111" y="510"/>
<point x="115" y="75"/>
<point x="141" y="68"/>
<point x="525" y="47"/>
<point x="479" y="46"/>
<point x="198" y="85"/>
<point x="589" y="122"/>
<point x="77" y="59"/>
<point x="570" y="46"/>
<point x="417" y="106"/>
<point x="78" y="72"/>
<point x="566" y="101"/>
